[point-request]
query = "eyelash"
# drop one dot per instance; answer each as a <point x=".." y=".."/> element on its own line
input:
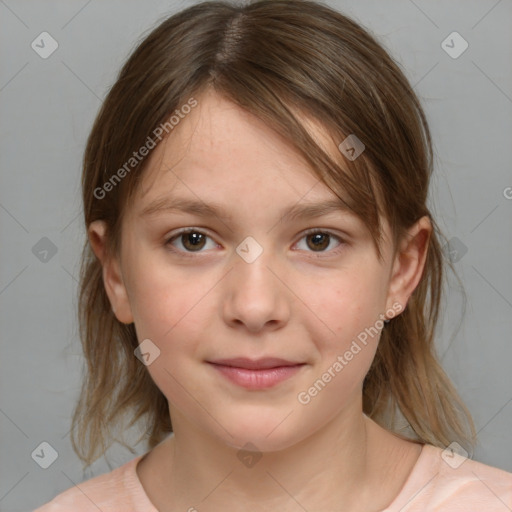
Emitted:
<point x="189" y="254"/>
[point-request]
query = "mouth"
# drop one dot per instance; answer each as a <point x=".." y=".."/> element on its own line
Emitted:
<point x="264" y="363"/>
<point x="256" y="374"/>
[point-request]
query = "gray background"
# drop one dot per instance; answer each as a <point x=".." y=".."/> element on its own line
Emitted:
<point x="47" y="107"/>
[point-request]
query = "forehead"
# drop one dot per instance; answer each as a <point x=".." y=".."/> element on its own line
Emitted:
<point x="225" y="143"/>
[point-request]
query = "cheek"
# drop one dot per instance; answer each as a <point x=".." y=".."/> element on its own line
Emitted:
<point x="161" y="293"/>
<point x="171" y="310"/>
<point x="346" y="305"/>
<point x="346" y="337"/>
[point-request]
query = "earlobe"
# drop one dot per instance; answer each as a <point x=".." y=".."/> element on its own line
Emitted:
<point x="409" y="262"/>
<point x="112" y="275"/>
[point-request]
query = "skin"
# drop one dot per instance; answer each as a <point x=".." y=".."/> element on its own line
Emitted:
<point x="294" y="301"/>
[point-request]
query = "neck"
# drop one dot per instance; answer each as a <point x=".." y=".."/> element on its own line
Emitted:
<point x="325" y="470"/>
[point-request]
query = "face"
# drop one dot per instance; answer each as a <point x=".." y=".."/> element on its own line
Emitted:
<point x="249" y="281"/>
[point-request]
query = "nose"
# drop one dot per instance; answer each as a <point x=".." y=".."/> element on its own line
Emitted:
<point x="256" y="295"/>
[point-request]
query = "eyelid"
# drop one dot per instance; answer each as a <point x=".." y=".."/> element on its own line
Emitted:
<point x="328" y="231"/>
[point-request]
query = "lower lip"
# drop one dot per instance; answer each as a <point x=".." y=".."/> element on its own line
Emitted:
<point x="257" y="379"/>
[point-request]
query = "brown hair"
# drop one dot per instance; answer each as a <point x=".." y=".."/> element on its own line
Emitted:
<point x="276" y="59"/>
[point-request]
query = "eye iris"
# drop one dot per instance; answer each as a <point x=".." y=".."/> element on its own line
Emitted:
<point x="318" y="237"/>
<point x="194" y="238"/>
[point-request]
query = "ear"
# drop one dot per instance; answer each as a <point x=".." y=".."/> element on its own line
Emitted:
<point x="409" y="263"/>
<point x="112" y="275"/>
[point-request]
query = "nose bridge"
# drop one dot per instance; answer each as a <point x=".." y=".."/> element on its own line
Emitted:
<point x="256" y="297"/>
<point x="252" y="267"/>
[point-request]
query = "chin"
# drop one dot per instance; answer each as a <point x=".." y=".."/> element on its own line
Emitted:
<point x="267" y="433"/>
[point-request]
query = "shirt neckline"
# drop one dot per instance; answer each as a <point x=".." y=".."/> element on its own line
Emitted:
<point x="409" y="489"/>
<point x="132" y="479"/>
<point x="403" y="497"/>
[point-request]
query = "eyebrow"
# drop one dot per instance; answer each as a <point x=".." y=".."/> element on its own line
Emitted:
<point x="295" y="212"/>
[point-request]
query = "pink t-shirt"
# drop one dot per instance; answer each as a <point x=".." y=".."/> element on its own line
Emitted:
<point x="433" y="485"/>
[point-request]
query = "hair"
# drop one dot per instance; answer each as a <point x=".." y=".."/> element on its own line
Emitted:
<point x="283" y="61"/>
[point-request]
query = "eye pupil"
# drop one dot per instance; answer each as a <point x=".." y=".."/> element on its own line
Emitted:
<point x="318" y="238"/>
<point x="194" y="238"/>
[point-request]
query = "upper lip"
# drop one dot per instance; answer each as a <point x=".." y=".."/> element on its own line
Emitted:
<point x="255" y="364"/>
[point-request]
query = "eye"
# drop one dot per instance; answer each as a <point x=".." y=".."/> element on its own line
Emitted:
<point x="193" y="240"/>
<point x="318" y="240"/>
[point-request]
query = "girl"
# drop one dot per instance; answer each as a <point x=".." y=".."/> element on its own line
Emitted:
<point x="262" y="278"/>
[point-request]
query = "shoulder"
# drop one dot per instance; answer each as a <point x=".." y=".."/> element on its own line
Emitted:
<point x="118" y="490"/>
<point x="442" y="480"/>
